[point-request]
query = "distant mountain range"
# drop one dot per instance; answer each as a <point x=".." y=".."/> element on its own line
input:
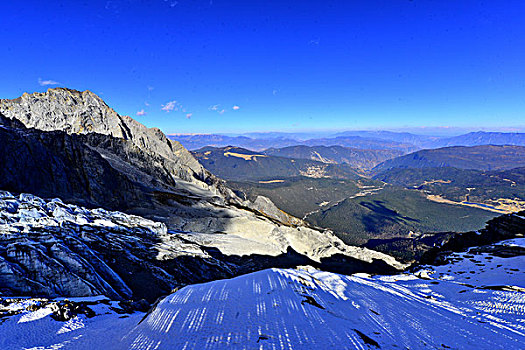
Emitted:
<point x="403" y="141"/>
<point x="481" y="138"/>
<point x="194" y="142"/>
<point x="402" y="137"/>
<point x="363" y="159"/>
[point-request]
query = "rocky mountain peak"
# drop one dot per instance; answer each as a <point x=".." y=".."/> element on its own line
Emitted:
<point x="64" y="109"/>
<point x="83" y="112"/>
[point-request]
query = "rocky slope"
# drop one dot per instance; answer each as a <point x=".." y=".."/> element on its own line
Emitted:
<point x="49" y="248"/>
<point x="81" y="150"/>
<point x="75" y="112"/>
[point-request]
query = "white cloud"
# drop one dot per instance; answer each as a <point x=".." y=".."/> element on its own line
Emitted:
<point x="150" y="88"/>
<point x="236" y="108"/>
<point x="47" y="82"/>
<point x="170" y="106"/>
<point x="146" y="104"/>
<point x="141" y="113"/>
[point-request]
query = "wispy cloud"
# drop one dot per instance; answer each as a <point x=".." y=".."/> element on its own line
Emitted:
<point x="177" y="107"/>
<point x="214" y="108"/>
<point x="170" y="106"/>
<point x="217" y="108"/>
<point x="314" y="42"/>
<point x="141" y="113"/>
<point x="236" y="108"/>
<point x="47" y="82"/>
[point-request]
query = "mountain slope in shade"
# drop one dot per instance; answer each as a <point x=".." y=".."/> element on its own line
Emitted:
<point x="477" y="157"/>
<point x="500" y="189"/>
<point x="364" y="159"/>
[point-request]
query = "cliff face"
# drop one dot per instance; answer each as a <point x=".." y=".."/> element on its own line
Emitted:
<point x="84" y="113"/>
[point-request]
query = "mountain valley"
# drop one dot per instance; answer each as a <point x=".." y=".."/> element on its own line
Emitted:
<point x="103" y="219"/>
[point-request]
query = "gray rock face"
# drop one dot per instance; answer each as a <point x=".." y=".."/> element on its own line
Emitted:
<point x="75" y="112"/>
<point x="57" y="164"/>
<point x="48" y="248"/>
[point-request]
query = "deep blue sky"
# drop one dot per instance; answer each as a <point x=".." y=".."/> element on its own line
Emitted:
<point x="287" y="65"/>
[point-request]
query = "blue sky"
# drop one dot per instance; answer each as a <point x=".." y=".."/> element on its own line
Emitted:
<point x="234" y="66"/>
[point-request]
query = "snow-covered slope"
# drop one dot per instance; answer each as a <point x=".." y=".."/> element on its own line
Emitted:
<point x="305" y="308"/>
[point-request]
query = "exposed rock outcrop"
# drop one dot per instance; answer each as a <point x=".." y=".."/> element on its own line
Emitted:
<point x="503" y="227"/>
<point x="75" y="112"/>
<point x="49" y="249"/>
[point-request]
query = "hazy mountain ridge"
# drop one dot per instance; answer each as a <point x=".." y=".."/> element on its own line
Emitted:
<point x="485" y="157"/>
<point x="482" y="138"/>
<point x="367" y="139"/>
<point x="234" y="163"/>
<point x="193" y="142"/>
<point x="363" y="159"/>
